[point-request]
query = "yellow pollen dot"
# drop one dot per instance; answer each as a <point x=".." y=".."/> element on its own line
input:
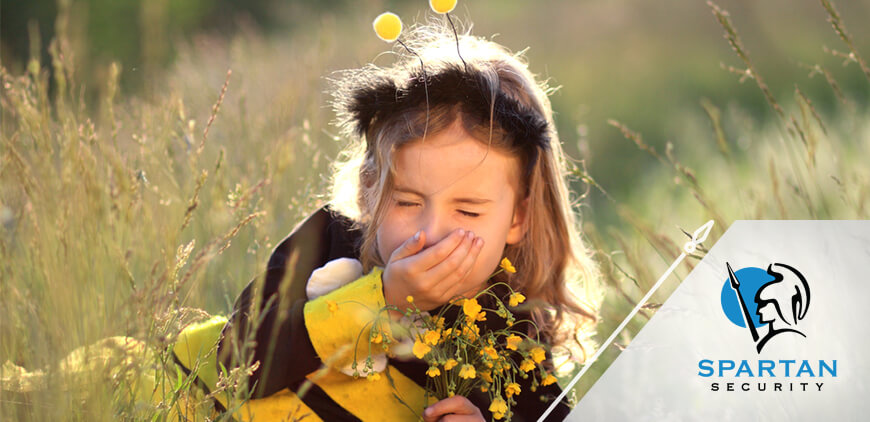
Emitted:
<point x="442" y="6"/>
<point x="387" y="26"/>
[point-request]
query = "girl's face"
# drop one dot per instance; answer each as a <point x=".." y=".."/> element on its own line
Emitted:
<point x="449" y="182"/>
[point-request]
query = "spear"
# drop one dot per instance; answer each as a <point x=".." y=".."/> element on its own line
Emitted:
<point x="735" y="284"/>
<point x="698" y="237"/>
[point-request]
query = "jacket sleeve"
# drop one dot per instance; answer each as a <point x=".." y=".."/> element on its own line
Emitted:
<point x="280" y="343"/>
<point x="339" y="322"/>
<point x="267" y="324"/>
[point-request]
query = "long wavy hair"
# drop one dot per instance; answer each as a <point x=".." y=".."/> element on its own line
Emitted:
<point x="497" y="100"/>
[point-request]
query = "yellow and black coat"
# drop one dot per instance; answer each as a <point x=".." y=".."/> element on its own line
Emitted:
<point x="301" y="344"/>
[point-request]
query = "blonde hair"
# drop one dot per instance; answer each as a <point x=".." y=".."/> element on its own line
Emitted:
<point x="554" y="266"/>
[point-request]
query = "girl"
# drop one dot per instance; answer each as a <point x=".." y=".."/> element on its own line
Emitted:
<point x="458" y="165"/>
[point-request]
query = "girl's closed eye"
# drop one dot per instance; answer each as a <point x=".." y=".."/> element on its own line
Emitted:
<point x="414" y="204"/>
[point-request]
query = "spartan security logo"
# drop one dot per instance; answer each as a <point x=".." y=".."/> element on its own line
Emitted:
<point x="769" y="303"/>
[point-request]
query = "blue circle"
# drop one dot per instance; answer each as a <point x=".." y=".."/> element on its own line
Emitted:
<point x="751" y="279"/>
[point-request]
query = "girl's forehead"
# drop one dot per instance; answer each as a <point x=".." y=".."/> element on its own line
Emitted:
<point x="452" y="161"/>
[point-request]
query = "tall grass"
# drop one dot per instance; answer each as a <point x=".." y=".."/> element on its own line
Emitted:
<point x="800" y="165"/>
<point x="126" y="217"/>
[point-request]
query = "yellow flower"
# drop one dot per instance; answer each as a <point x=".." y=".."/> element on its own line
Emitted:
<point x="538" y="354"/>
<point x="490" y="351"/>
<point x="439" y="322"/>
<point x="471" y="333"/>
<point x="516" y="299"/>
<point x="374" y="376"/>
<point x="512" y="389"/>
<point x="481" y="316"/>
<point x="513" y="341"/>
<point x="450" y="364"/>
<point x="471" y="308"/>
<point x="433" y="372"/>
<point x="420" y="349"/>
<point x="410" y="299"/>
<point x="467" y="372"/>
<point x="333" y="307"/>
<point x="447" y="332"/>
<point x="498" y="407"/>
<point x="442" y="6"/>
<point x="549" y="379"/>
<point x="378" y="338"/>
<point x="432" y="337"/>
<point x="527" y="365"/>
<point x="486" y="376"/>
<point x="388" y="26"/>
<point x="506" y="265"/>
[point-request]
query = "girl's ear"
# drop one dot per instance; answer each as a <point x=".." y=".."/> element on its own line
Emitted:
<point x="518" y="225"/>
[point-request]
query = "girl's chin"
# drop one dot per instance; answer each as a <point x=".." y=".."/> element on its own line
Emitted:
<point x="471" y="292"/>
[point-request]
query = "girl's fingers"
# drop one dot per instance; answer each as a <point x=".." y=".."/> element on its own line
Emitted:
<point x="468" y="263"/>
<point x="456" y="406"/>
<point x="444" y="275"/>
<point x="409" y="247"/>
<point x="454" y="280"/>
<point x="462" y="418"/>
<point x="432" y="256"/>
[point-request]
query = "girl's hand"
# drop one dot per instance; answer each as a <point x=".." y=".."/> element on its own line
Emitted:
<point x="434" y="276"/>
<point x="453" y="409"/>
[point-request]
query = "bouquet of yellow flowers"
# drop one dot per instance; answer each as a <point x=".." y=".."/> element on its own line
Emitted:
<point x="462" y="357"/>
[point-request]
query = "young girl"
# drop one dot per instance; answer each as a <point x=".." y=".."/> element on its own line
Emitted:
<point x="458" y="164"/>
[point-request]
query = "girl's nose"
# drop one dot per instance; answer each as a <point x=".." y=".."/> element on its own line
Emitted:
<point x="436" y="226"/>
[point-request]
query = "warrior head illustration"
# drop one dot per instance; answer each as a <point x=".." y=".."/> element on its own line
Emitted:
<point x="781" y="302"/>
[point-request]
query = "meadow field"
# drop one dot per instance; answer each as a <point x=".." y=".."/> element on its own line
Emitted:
<point x="135" y="199"/>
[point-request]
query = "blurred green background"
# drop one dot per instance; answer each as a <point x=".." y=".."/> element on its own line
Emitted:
<point x="646" y="64"/>
<point x="125" y="197"/>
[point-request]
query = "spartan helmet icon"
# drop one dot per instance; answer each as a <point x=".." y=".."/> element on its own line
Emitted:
<point x="781" y="302"/>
